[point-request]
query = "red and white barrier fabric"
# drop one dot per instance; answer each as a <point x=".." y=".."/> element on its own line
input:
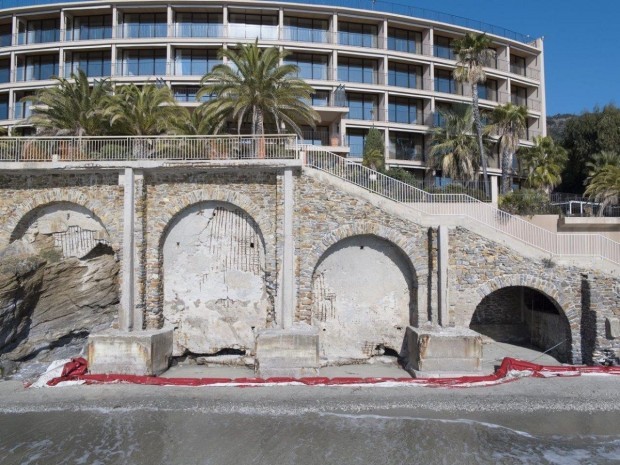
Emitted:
<point x="76" y="372"/>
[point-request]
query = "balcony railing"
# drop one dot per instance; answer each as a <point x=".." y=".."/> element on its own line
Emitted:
<point x="102" y="149"/>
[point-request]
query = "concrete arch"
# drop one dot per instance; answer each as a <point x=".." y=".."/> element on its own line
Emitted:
<point x="563" y="301"/>
<point x="14" y="226"/>
<point x="363" y="228"/>
<point x="173" y="209"/>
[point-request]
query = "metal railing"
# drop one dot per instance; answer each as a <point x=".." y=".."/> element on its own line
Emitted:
<point x="94" y="149"/>
<point x="567" y="244"/>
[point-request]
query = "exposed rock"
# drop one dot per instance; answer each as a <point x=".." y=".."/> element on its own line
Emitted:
<point x="49" y="305"/>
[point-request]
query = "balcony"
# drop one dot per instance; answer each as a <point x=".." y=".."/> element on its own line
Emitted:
<point x="444" y="51"/>
<point x="252" y="31"/>
<point x="300" y="34"/>
<point x="199" y="30"/>
<point x="141" y="30"/>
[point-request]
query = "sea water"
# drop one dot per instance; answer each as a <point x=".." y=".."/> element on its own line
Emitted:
<point x="150" y="436"/>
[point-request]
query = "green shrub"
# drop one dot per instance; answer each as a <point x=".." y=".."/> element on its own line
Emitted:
<point x="528" y="202"/>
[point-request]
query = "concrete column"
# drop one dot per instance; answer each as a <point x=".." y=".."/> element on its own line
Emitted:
<point x="442" y="285"/>
<point x="494" y="190"/>
<point x="288" y="254"/>
<point x="139" y="265"/>
<point x="126" y="319"/>
<point x="541" y="88"/>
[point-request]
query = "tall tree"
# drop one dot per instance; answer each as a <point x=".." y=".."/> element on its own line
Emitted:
<point x="374" y="150"/>
<point x="510" y="123"/>
<point x="585" y="135"/>
<point x="543" y="164"/>
<point x="453" y="146"/>
<point x="73" y="107"/>
<point x="254" y="87"/>
<point x="148" y="110"/>
<point x="193" y="123"/>
<point x="603" y="181"/>
<point x="474" y="52"/>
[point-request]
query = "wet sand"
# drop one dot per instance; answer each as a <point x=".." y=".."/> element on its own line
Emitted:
<point x="527" y="421"/>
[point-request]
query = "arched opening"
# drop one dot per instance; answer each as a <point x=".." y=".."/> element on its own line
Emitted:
<point x="67" y="228"/>
<point x="364" y="297"/>
<point x="215" y="293"/>
<point x="523" y="317"/>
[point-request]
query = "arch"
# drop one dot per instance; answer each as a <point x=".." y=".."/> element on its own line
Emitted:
<point x="214" y="281"/>
<point x="362" y="228"/>
<point x="172" y="209"/>
<point x="364" y="294"/>
<point x="562" y="302"/>
<point x="13" y="227"/>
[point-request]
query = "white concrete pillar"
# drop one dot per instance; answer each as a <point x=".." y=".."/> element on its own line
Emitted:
<point x="288" y="254"/>
<point x="442" y="287"/>
<point x="126" y="319"/>
<point x="494" y="190"/>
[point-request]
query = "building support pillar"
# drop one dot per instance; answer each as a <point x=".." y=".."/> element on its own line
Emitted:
<point x="288" y="253"/>
<point x="442" y="285"/>
<point x="126" y="318"/>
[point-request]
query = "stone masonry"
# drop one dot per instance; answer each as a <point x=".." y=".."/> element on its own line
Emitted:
<point x="363" y="273"/>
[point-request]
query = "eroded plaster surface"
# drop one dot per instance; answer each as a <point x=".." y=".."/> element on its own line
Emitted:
<point x="70" y="228"/>
<point x="362" y="289"/>
<point x="214" y="288"/>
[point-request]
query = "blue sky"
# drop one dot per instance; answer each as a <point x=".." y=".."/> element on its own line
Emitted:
<point x="582" y="43"/>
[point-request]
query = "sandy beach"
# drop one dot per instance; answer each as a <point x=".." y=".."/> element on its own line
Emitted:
<point x="557" y="420"/>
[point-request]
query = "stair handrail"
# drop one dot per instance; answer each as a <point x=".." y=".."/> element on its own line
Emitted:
<point x="556" y="244"/>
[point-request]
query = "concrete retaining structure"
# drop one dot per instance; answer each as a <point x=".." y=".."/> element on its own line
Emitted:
<point x="291" y="245"/>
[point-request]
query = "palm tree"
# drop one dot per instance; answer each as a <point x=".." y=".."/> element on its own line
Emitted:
<point x="193" y="123"/>
<point x="603" y="181"/>
<point x="148" y="110"/>
<point x="73" y="107"/>
<point x="453" y="147"/>
<point x="509" y="122"/>
<point x="256" y="88"/>
<point x="543" y="164"/>
<point x="474" y="52"/>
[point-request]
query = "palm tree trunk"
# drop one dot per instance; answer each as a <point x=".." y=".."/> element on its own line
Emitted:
<point x="478" y="123"/>
<point x="506" y="169"/>
<point x="260" y="130"/>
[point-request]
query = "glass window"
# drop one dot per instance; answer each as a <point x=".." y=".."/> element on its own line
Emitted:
<point x="189" y="94"/>
<point x="311" y="66"/>
<point x="306" y="29"/>
<point x="444" y="82"/>
<point x="249" y="26"/>
<point x="38" y="67"/>
<point x="6" y="34"/>
<point x="137" y="25"/>
<point x="362" y="106"/>
<point x="488" y="90"/>
<point x="195" y="62"/>
<point x="90" y="28"/>
<point x="199" y="25"/>
<point x="403" y="40"/>
<point x="355" y="141"/>
<point x="518" y="95"/>
<point x="443" y="48"/>
<point x="357" y="70"/>
<point x="517" y="65"/>
<point x="316" y="136"/>
<point x="5" y="71"/>
<point x="406" y="146"/>
<point x="144" y="63"/>
<point x="4" y="106"/>
<point x="403" y="75"/>
<point x="94" y="64"/>
<point x="39" y="31"/>
<point x="357" y="35"/>
<point x="404" y="110"/>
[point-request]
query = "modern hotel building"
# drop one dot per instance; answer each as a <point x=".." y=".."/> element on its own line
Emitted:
<point x="371" y="63"/>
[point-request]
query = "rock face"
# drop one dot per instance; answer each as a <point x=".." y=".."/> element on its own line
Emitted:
<point x="50" y="303"/>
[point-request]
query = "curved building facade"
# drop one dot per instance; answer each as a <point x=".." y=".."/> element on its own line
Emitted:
<point x="369" y="68"/>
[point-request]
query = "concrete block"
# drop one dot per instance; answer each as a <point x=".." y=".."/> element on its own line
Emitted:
<point x="130" y="353"/>
<point x="612" y="325"/>
<point x="288" y="352"/>
<point x="443" y="350"/>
